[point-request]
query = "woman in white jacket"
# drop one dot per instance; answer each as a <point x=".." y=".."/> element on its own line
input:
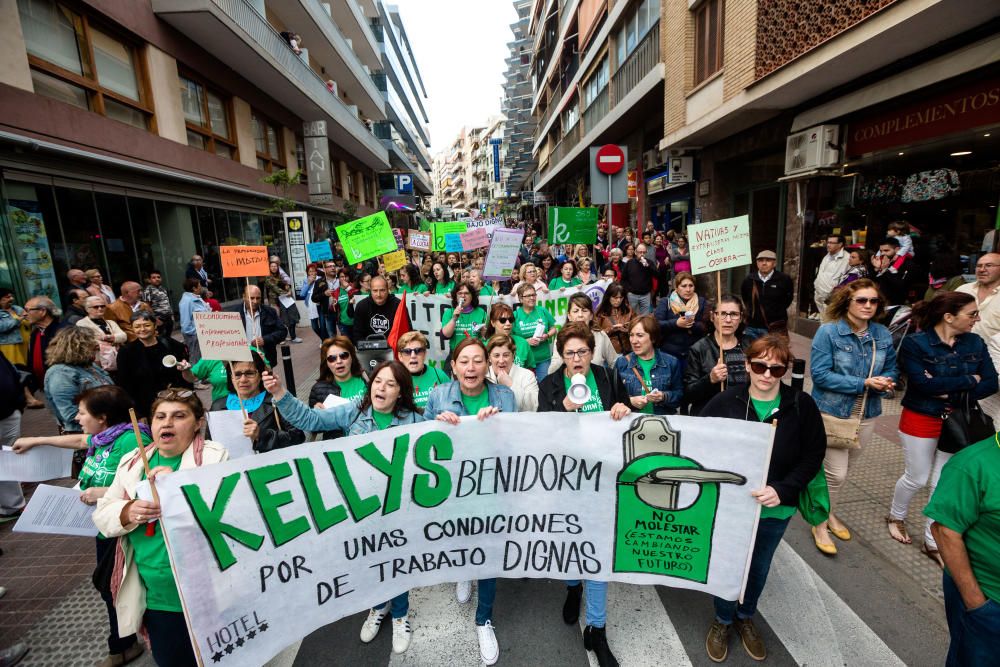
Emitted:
<point x="500" y="350"/>
<point x="146" y="593"/>
<point x="107" y="331"/>
<point x="581" y="309"/>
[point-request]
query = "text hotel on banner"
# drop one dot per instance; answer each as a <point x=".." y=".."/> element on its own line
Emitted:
<point x="268" y="548"/>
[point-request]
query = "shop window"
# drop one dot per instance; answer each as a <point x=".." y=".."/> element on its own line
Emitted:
<point x="709" y="28"/>
<point x="37" y="249"/>
<point x="207" y="115"/>
<point x="142" y="215"/>
<point x="267" y="141"/>
<point x="117" y="239"/>
<point x="300" y="159"/>
<point x="75" y="61"/>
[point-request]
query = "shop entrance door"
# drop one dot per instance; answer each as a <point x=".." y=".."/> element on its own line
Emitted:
<point x="765" y="207"/>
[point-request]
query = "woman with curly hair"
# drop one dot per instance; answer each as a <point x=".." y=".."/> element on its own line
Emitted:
<point x="70" y="357"/>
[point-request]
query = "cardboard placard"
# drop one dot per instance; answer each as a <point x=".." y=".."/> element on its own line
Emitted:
<point x="243" y="261"/>
<point x="319" y="251"/>
<point x="438" y="231"/>
<point x="475" y="238"/>
<point x="418" y="240"/>
<point x="394" y="261"/>
<point x="502" y="256"/>
<point x="453" y="242"/>
<point x="720" y="244"/>
<point x="573" y="225"/>
<point x="222" y="336"/>
<point x="367" y="237"/>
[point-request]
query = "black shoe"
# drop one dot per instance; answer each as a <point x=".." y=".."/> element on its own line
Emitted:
<point x="571" y="608"/>
<point x="596" y="640"/>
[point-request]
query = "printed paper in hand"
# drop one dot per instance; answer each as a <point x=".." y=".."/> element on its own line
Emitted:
<point x="226" y="427"/>
<point x="286" y="301"/>
<point x="38" y="464"/>
<point x="333" y="401"/>
<point x="56" y="510"/>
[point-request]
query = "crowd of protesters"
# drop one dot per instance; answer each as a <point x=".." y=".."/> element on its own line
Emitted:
<point x="651" y="345"/>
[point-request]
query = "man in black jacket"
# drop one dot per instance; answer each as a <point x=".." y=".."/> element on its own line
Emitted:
<point x="894" y="273"/>
<point x="375" y="314"/>
<point x="767" y="294"/>
<point x="264" y="330"/>
<point x="637" y="279"/>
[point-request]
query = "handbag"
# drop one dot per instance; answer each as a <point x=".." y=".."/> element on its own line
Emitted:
<point x="814" y="500"/>
<point x="845" y="432"/>
<point x="107" y="356"/>
<point x="966" y="424"/>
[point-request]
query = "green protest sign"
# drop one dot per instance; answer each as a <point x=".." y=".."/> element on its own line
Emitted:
<point x="439" y="229"/>
<point x="572" y="225"/>
<point x="367" y="237"/>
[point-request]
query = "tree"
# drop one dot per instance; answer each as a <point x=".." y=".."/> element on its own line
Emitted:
<point x="283" y="183"/>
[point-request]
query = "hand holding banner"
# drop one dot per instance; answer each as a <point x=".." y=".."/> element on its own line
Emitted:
<point x="367" y="237"/>
<point x="222" y="336"/>
<point x="243" y="261"/>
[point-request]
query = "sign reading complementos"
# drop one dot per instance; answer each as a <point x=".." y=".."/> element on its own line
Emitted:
<point x="720" y="244"/>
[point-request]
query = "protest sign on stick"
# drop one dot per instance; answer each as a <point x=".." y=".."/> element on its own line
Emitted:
<point x="474" y="238"/>
<point x="418" y="240"/>
<point x="502" y="255"/>
<point x="394" y="261"/>
<point x="243" y="261"/>
<point x="319" y="251"/>
<point x="440" y="229"/>
<point x="367" y="237"/>
<point x="453" y="242"/>
<point x="222" y="336"/>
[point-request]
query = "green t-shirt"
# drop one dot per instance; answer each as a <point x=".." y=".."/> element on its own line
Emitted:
<point x="559" y="283"/>
<point x="151" y="555"/>
<point x="764" y="409"/>
<point x="343" y="301"/>
<point x="594" y="404"/>
<point x="522" y="356"/>
<point x="524" y="326"/>
<point x="406" y="289"/>
<point x="214" y="371"/>
<point x="486" y="290"/>
<point x="353" y="389"/>
<point x="967" y="500"/>
<point x="425" y="382"/>
<point x="468" y="325"/>
<point x="382" y="420"/>
<point x="646" y="367"/>
<point x="444" y="288"/>
<point x="473" y="404"/>
<point x="99" y="470"/>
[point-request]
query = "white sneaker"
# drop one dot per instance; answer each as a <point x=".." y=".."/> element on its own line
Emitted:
<point x="463" y="591"/>
<point x="489" y="650"/>
<point x="372" y="624"/>
<point x="401" y="634"/>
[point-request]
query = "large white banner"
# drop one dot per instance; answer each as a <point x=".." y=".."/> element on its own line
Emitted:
<point x="267" y="549"/>
<point x="427" y="312"/>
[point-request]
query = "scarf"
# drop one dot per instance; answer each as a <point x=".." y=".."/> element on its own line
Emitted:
<point x="678" y="306"/>
<point x="251" y="404"/>
<point x="936" y="283"/>
<point x="107" y="437"/>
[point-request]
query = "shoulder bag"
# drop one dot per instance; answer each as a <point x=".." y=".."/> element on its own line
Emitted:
<point x="966" y="424"/>
<point x="845" y="432"/>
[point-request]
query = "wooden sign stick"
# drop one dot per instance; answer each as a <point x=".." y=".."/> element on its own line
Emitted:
<point x="150" y="527"/>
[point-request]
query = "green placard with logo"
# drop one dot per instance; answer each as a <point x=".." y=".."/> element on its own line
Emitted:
<point x="440" y="229"/>
<point x="572" y="225"/>
<point x="367" y="237"/>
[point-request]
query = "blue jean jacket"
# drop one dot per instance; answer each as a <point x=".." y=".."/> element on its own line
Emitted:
<point x="665" y="375"/>
<point x="840" y="365"/>
<point x="448" y="398"/>
<point x="300" y="415"/>
<point x="934" y="369"/>
<point x="365" y="423"/>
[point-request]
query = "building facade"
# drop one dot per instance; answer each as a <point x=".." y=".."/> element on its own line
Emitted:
<point x="519" y="130"/>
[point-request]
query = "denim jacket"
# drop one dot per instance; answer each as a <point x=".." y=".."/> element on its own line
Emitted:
<point x="448" y="397"/>
<point x="317" y="420"/>
<point x="63" y="383"/>
<point x="933" y="369"/>
<point x="665" y="376"/>
<point x="365" y="423"/>
<point x="10" y="328"/>
<point x="840" y="365"/>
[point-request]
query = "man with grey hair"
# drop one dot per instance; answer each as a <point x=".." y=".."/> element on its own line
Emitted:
<point x="77" y="279"/>
<point x="43" y="315"/>
<point x="121" y="310"/>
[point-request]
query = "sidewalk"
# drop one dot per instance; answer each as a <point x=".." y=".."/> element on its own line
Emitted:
<point x="50" y="602"/>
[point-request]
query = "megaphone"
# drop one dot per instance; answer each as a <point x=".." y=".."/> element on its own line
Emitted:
<point x="579" y="391"/>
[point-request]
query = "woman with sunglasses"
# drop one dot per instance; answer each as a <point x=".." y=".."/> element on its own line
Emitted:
<point x="340" y="374"/>
<point x="502" y="322"/>
<point x="651" y="377"/>
<point x="716" y="362"/>
<point x="465" y="318"/>
<point x="613" y="317"/>
<point x="851" y="353"/>
<point x="581" y="309"/>
<point x="472" y="394"/>
<point x="145" y="595"/>
<point x="575" y="343"/>
<point x="107" y="331"/>
<point x="796" y="456"/>
<point x="246" y="392"/>
<point x="946" y="365"/>
<point x="412" y="352"/>
<point x="537" y="326"/>
<point x="440" y="282"/>
<point x="150" y="363"/>
<point x="107" y="436"/>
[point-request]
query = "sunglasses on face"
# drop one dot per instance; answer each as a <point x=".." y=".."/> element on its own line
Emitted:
<point x="504" y="319"/>
<point x="341" y="356"/>
<point x="411" y="351"/>
<point x="169" y="394"/>
<point x="864" y="300"/>
<point x="760" y="368"/>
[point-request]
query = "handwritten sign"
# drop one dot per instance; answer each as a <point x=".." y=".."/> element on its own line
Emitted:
<point x="475" y="238"/>
<point x="720" y="244"/>
<point x="398" y="235"/>
<point x="502" y="256"/>
<point x="394" y="261"/>
<point x="243" y="261"/>
<point x="222" y="336"/>
<point x="418" y="240"/>
<point x="438" y="231"/>
<point x="453" y="242"/>
<point x="367" y="237"/>
<point x="319" y="251"/>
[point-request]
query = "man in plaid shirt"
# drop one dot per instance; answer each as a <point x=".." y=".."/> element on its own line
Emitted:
<point x="156" y="296"/>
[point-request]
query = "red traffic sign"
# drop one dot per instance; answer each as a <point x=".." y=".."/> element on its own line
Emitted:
<point x="610" y="159"/>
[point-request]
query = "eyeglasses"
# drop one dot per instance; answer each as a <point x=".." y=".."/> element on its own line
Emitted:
<point x="760" y="368"/>
<point x="170" y="394"/>
<point x="503" y="319"/>
<point x="973" y="315"/>
<point x="986" y="266"/>
<point x="729" y="315"/>
<point x="864" y="300"/>
<point x="529" y="295"/>
<point x="88" y="307"/>
<point x="576" y="354"/>
<point x="244" y="374"/>
<point x="330" y="358"/>
<point x="408" y="351"/>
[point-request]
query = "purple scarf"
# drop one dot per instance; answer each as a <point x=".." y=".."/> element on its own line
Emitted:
<point x="107" y="437"/>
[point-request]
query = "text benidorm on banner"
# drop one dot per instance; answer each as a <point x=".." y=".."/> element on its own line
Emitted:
<point x="243" y="261"/>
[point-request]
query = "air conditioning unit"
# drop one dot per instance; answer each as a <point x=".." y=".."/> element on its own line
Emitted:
<point x="651" y="160"/>
<point x="815" y="148"/>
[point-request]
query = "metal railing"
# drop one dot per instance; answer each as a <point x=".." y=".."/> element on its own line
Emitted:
<point x="645" y="57"/>
<point x="565" y="145"/>
<point x="554" y="99"/>
<point x="597" y="110"/>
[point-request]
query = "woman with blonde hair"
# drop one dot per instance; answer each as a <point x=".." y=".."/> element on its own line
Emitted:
<point x="97" y="286"/>
<point x="530" y="275"/>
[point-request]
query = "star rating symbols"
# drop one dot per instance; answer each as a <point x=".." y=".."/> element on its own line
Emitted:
<point x="216" y="657"/>
<point x="229" y="649"/>
<point x="262" y="627"/>
<point x="251" y="634"/>
<point x="240" y="641"/>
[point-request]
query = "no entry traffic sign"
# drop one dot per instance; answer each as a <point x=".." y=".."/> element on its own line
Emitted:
<point x="610" y="159"/>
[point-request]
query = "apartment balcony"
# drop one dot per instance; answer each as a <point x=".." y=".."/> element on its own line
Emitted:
<point x="235" y="33"/>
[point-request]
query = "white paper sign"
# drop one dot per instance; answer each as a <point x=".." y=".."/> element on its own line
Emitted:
<point x="226" y="428"/>
<point x="286" y="301"/>
<point x="364" y="518"/>
<point x="332" y="401"/>
<point x="56" y="510"/>
<point x="502" y="255"/>
<point x="222" y="336"/>
<point x="720" y="244"/>
<point x="38" y="464"/>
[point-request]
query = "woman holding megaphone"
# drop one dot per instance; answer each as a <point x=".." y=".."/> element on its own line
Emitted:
<point x="581" y="387"/>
